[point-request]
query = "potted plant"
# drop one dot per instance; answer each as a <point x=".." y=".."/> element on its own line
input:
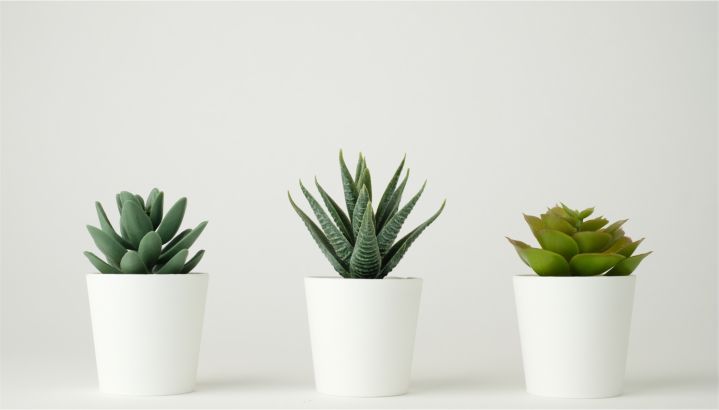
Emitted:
<point x="362" y="324"/>
<point x="146" y="304"/>
<point x="574" y="317"/>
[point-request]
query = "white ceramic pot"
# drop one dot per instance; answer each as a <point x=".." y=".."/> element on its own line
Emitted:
<point x="574" y="333"/>
<point x="147" y="331"/>
<point x="362" y="333"/>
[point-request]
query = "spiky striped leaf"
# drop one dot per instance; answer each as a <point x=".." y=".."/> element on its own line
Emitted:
<point x="389" y="233"/>
<point x="349" y="186"/>
<point x="156" y="209"/>
<point x="106" y="227"/>
<point x="175" y="264"/>
<point x="339" y="243"/>
<point x="107" y="245"/>
<point x="171" y="221"/>
<point x="190" y="265"/>
<point x="387" y="195"/>
<point x="366" y="260"/>
<point x="132" y="263"/>
<point x="135" y="221"/>
<point x="358" y="215"/>
<point x="397" y="251"/>
<point x="393" y="204"/>
<point x="101" y="265"/>
<point x="321" y="240"/>
<point x="361" y="164"/>
<point x="338" y="215"/>
<point x="183" y="243"/>
<point x="365" y="181"/>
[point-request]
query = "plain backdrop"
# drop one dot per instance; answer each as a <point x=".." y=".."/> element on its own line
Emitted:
<point x="504" y="108"/>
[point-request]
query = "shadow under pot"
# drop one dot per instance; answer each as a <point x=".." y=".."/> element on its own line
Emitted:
<point x="574" y="333"/>
<point x="362" y="333"/>
<point x="147" y="331"/>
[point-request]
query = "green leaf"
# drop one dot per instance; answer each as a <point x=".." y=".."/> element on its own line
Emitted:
<point x="175" y="264"/>
<point x="593" y="224"/>
<point x="131" y="262"/>
<point x="119" y="203"/>
<point x="127" y="196"/>
<point x="338" y="215"/>
<point x="150" y="248"/>
<point x="535" y="224"/>
<point x="176" y="239"/>
<point x="349" y="186"/>
<point x="172" y="220"/>
<point x="339" y="242"/>
<point x="321" y="240"/>
<point x="397" y="251"/>
<point x="151" y="198"/>
<point x="107" y="227"/>
<point x="552" y="221"/>
<point x="571" y="212"/>
<point x="107" y="245"/>
<point x="361" y="165"/>
<point x="628" y="265"/>
<point x="592" y="241"/>
<point x="387" y="195"/>
<point x="629" y="249"/>
<point x="135" y="221"/>
<point x="585" y="213"/>
<point x="591" y="264"/>
<point x="558" y="242"/>
<point x="183" y="243"/>
<point x="99" y="264"/>
<point x="360" y="208"/>
<point x="365" y="181"/>
<point x="543" y="262"/>
<point x="140" y="201"/>
<point x="156" y="210"/>
<point x="389" y="233"/>
<point x="615" y="226"/>
<point x="190" y="265"/>
<point x="392" y="205"/>
<point x="617" y="245"/>
<point x="366" y="260"/>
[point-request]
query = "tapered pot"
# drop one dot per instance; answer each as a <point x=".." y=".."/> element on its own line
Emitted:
<point x="574" y="333"/>
<point x="362" y="333"/>
<point x="147" y="331"/>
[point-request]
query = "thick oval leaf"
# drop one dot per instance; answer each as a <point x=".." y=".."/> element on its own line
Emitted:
<point x="190" y="265"/>
<point x="176" y="239"/>
<point x="586" y="213"/>
<point x="101" y="265"/>
<point x="131" y="262"/>
<point x="151" y="198"/>
<point x="125" y="196"/>
<point x="629" y="249"/>
<point x="150" y="249"/>
<point x="535" y="224"/>
<point x="366" y="260"/>
<point x="175" y="264"/>
<point x="107" y="227"/>
<point x="553" y="221"/>
<point x="590" y="242"/>
<point x="570" y="212"/>
<point x="544" y="263"/>
<point x="172" y="220"/>
<point x="349" y="186"/>
<point x="135" y="221"/>
<point x="107" y="245"/>
<point x="558" y="242"/>
<point x="183" y="243"/>
<point x="591" y="264"/>
<point x="156" y="209"/>
<point x="627" y="266"/>
<point x="593" y="224"/>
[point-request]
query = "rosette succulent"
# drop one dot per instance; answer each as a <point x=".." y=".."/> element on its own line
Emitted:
<point x="148" y="241"/>
<point x="361" y="242"/>
<point x="572" y="245"/>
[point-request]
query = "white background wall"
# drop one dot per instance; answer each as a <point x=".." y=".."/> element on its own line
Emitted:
<point x="504" y="108"/>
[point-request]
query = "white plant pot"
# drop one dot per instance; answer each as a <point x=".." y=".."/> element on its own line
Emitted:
<point x="362" y="333"/>
<point x="147" y="331"/>
<point x="574" y="333"/>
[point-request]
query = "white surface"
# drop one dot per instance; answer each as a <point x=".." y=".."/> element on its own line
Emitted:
<point x="504" y="108"/>
<point x="147" y="331"/>
<point x="574" y="333"/>
<point x="362" y="333"/>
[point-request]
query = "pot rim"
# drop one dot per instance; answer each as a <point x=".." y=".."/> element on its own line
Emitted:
<point x="595" y="277"/>
<point x="403" y="278"/>
<point x="135" y="275"/>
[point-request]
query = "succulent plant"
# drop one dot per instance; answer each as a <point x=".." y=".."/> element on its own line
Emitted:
<point x="144" y="229"/>
<point x="361" y="243"/>
<point x="572" y="245"/>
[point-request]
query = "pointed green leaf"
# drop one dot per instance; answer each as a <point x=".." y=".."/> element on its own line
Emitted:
<point x="590" y="241"/>
<point x="365" y="181"/>
<point x="542" y="262"/>
<point x="156" y="209"/>
<point x="107" y="245"/>
<point x="131" y="262"/>
<point x="628" y="265"/>
<point x="387" y="195"/>
<point x="593" y="224"/>
<point x="107" y="226"/>
<point x="392" y="205"/>
<point x="558" y="242"/>
<point x="176" y="239"/>
<point x="585" y="213"/>
<point x="99" y="264"/>
<point x="571" y="212"/>
<point x="360" y="167"/>
<point x="172" y="220"/>
<point x="349" y="186"/>
<point x="617" y="245"/>
<point x="135" y="221"/>
<point x="190" y="265"/>
<point x="535" y="224"/>
<point x="389" y="233"/>
<point x="150" y="248"/>
<point x="629" y="249"/>
<point x="321" y="240"/>
<point x="518" y="247"/>
<point x="183" y="243"/>
<point x="360" y="208"/>
<point x="552" y="221"/>
<point x="397" y="251"/>
<point x="366" y="260"/>
<point x="616" y="235"/>
<point x="338" y="215"/>
<point x="339" y="242"/>
<point x="591" y="264"/>
<point x="615" y="226"/>
<point x="175" y="264"/>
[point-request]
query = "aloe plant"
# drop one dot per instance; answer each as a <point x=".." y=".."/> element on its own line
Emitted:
<point x="361" y="242"/>
<point x="148" y="241"/>
<point x="572" y="245"/>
